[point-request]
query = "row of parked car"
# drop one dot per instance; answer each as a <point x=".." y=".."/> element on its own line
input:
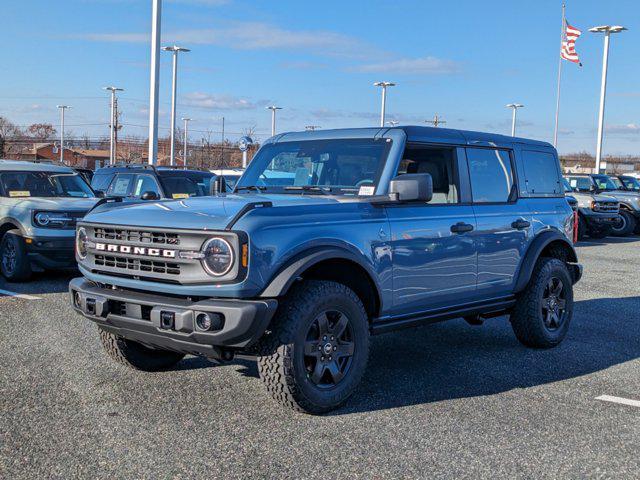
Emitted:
<point x="606" y="204"/>
<point x="40" y="204"/>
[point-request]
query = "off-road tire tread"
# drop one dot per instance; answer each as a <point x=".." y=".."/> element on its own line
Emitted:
<point x="275" y="353"/>
<point x="525" y="316"/>
<point x="23" y="265"/>
<point x="128" y="353"/>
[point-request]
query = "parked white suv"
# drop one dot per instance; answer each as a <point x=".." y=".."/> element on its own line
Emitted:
<point x="39" y="206"/>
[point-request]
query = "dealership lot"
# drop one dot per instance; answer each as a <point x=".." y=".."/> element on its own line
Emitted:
<point x="445" y="400"/>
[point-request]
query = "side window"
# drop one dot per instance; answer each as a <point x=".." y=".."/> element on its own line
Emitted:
<point x="121" y="186"/>
<point x="440" y="164"/>
<point x="541" y="170"/>
<point x="101" y="181"/>
<point x="145" y="183"/>
<point x="582" y="184"/>
<point x="491" y="175"/>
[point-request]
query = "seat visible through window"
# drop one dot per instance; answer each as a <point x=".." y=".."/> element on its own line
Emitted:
<point x="437" y="162"/>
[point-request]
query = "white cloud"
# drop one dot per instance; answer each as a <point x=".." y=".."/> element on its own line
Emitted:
<point x="220" y="102"/>
<point x="423" y="65"/>
<point x="629" y="128"/>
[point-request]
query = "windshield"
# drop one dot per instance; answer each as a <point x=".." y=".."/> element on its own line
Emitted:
<point x="567" y="186"/>
<point x="631" y="183"/>
<point x="618" y="183"/>
<point x="336" y="166"/>
<point x="179" y="184"/>
<point x="604" y="182"/>
<point x="44" y="184"/>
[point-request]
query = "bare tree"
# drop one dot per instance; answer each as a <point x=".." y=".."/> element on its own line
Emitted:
<point x="42" y="131"/>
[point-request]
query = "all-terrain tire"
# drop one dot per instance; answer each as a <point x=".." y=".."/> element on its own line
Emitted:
<point x="528" y="316"/>
<point x="281" y="352"/>
<point x="626" y="226"/>
<point x="14" y="262"/>
<point x="135" y="355"/>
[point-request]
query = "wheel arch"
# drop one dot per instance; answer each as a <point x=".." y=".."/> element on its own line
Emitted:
<point x="550" y="243"/>
<point x="9" y="223"/>
<point x="334" y="264"/>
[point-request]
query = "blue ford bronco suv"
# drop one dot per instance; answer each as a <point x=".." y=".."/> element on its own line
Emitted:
<point x="330" y="237"/>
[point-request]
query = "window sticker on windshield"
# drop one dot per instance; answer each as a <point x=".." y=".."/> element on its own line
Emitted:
<point x="19" y="193"/>
<point x="367" y="190"/>
<point x="176" y="196"/>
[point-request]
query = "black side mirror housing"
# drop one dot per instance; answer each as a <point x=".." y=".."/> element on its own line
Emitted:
<point x="149" y="195"/>
<point x="100" y="194"/>
<point x="412" y="187"/>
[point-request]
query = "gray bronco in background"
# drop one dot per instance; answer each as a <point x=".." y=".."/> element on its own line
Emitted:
<point x="39" y="206"/>
<point x="597" y="214"/>
<point x="330" y="237"/>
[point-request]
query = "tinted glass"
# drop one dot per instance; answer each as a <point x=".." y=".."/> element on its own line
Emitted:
<point x="44" y="184"/>
<point x="145" y="183"/>
<point x="121" y="186"/>
<point x="567" y="186"/>
<point x="604" y="182"/>
<point x="631" y="183"/>
<point x="582" y="184"/>
<point x="101" y="181"/>
<point x="342" y="166"/>
<point x="491" y="175"/>
<point x="437" y="162"/>
<point x="179" y="184"/>
<point x="541" y="171"/>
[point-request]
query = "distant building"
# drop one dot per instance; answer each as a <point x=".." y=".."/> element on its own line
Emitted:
<point x="74" y="157"/>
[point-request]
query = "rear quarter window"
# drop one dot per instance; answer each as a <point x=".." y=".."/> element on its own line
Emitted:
<point x="542" y="173"/>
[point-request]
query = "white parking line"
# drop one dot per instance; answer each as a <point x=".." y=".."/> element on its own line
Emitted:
<point x="23" y="296"/>
<point x="623" y="401"/>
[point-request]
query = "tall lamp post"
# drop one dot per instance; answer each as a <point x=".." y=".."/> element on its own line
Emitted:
<point x="154" y="81"/>
<point x="175" y="49"/>
<point x="273" y="109"/>
<point x="515" y="107"/>
<point x="384" y="86"/>
<point x="607" y="30"/>
<point x="186" y="129"/>
<point x="62" y="109"/>
<point x="112" y="124"/>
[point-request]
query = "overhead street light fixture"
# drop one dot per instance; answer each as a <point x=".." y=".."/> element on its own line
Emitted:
<point x="175" y="49"/>
<point x="515" y="107"/>
<point x="273" y="109"/>
<point x="607" y="30"/>
<point x="384" y="86"/>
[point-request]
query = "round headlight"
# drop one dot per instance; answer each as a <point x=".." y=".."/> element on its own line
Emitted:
<point x="81" y="243"/>
<point x="43" y="219"/>
<point x="218" y="257"/>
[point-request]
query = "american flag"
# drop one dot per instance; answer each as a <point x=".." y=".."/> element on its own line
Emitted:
<point x="568" y="50"/>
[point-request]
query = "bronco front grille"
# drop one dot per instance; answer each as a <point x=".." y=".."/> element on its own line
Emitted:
<point x="606" y="207"/>
<point x="137" y="264"/>
<point x="137" y="236"/>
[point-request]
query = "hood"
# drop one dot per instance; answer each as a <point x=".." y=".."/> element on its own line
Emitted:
<point x="207" y="213"/>
<point x="57" y="203"/>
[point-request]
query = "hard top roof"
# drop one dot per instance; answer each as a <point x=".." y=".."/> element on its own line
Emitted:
<point x="22" y="166"/>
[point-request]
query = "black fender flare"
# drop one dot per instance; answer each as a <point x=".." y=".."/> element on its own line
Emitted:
<point x="280" y="283"/>
<point x="533" y="253"/>
<point x="12" y="221"/>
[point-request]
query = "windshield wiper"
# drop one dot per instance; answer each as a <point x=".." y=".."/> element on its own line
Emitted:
<point x="310" y="188"/>
<point x="257" y="188"/>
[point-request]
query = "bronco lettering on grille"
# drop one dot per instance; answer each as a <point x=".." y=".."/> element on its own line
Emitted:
<point x="150" y="252"/>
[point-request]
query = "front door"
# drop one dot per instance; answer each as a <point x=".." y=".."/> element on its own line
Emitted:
<point x="433" y="248"/>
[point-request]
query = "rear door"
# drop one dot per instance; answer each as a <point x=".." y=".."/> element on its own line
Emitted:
<point x="433" y="249"/>
<point x="503" y="220"/>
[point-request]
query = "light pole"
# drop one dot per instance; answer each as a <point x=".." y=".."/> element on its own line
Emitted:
<point x="186" y="129"/>
<point x="437" y="120"/>
<point x="112" y="124"/>
<point x="175" y="49"/>
<point x="311" y="128"/>
<point x="62" y="109"/>
<point x="273" y="109"/>
<point x="384" y="86"/>
<point x="607" y="30"/>
<point x="515" y="107"/>
<point x="154" y="81"/>
<point x="393" y="123"/>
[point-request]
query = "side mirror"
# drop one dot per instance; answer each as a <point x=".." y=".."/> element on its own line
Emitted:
<point x="217" y="185"/>
<point x="149" y="195"/>
<point x="100" y="193"/>
<point x="412" y="187"/>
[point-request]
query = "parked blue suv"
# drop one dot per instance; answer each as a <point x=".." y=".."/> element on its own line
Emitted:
<point x="329" y="237"/>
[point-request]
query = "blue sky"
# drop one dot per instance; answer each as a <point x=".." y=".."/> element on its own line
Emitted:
<point x="463" y="60"/>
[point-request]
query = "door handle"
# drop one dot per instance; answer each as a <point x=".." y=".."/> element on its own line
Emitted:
<point x="521" y="224"/>
<point x="461" y="227"/>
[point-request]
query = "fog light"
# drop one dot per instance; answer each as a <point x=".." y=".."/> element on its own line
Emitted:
<point x="76" y="299"/>
<point x="209" y="321"/>
<point x="167" y="320"/>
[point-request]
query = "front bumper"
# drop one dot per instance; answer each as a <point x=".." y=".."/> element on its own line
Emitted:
<point x="51" y="252"/>
<point x="138" y="316"/>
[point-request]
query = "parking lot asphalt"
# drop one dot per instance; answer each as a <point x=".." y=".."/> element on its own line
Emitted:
<point x="446" y="400"/>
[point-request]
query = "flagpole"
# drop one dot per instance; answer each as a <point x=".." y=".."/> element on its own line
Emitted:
<point x="555" y="131"/>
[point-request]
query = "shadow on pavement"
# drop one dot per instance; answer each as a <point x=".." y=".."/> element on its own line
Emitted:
<point x="608" y="241"/>
<point x="53" y="281"/>
<point x="454" y="360"/>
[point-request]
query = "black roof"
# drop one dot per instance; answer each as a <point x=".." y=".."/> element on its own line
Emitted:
<point x="157" y="169"/>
